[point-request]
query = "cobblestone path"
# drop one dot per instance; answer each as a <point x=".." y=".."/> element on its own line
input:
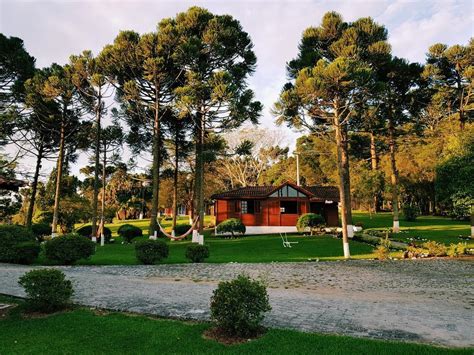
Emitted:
<point x="429" y="301"/>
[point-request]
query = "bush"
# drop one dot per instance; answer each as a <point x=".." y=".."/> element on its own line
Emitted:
<point x="197" y="253"/>
<point x="435" y="249"/>
<point x="310" y="220"/>
<point x="383" y="249"/>
<point x="180" y="229"/>
<point x="457" y="249"/>
<point x="410" y="213"/>
<point x="47" y="290"/>
<point x="69" y="248"/>
<point x="151" y="251"/>
<point x="238" y="306"/>
<point x="86" y="231"/>
<point x="10" y="237"/>
<point x="27" y="252"/>
<point x="129" y="232"/>
<point x="40" y="230"/>
<point x="414" y="252"/>
<point x="232" y="226"/>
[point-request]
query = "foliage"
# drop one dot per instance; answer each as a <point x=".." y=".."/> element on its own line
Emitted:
<point x="382" y="251"/>
<point x="454" y="187"/>
<point x="456" y="249"/>
<point x="10" y="237"/>
<point x="410" y="213"/>
<point x="27" y="252"/>
<point x="47" y="290"/>
<point x="311" y="221"/>
<point x="150" y="252"/>
<point x="74" y="209"/>
<point x="232" y="226"/>
<point x="128" y="232"/>
<point x="435" y="248"/>
<point x="40" y="230"/>
<point x="415" y="252"/>
<point x="197" y="253"/>
<point x="69" y="248"/>
<point x="17" y="66"/>
<point x="238" y="306"/>
<point x="86" y="231"/>
<point x="180" y="229"/>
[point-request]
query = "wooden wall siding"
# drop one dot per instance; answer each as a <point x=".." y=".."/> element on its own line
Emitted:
<point x="273" y="212"/>
<point x="270" y="213"/>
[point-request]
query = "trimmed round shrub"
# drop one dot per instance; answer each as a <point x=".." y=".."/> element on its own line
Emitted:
<point x="232" y="226"/>
<point x="129" y="232"/>
<point x="180" y="229"/>
<point x="310" y="220"/>
<point x="410" y="213"/>
<point x="27" y="252"/>
<point x="150" y="252"/>
<point x="47" y="290"/>
<point x="10" y="237"/>
<point x="197" y="253"/>
<point x="86" y="231"/>
<point x="69" y="248"/>
<point x="238" y="306"/>
<point x="40" y="230"/>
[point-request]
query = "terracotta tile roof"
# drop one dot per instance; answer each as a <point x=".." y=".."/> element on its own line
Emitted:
<point x="317" y="192"/>
<point x="248" y="191"/>
<point x="324" y="192"/>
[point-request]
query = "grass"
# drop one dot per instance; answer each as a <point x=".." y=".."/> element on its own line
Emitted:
<point x="268" y="248"/>
<point x="81" y="331"/>
<point x="440" y="229"/>
<point x="254" y="249"/>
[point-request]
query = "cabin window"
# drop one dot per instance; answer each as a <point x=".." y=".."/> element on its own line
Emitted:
<point x="250" y="206"/>
<point x="287" y="191"/>
<point x="288" y="207"/>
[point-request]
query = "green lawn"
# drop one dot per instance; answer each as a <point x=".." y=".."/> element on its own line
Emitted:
<point x="262" y="249"/>
<point x="83" y="332"/>
<point x="440" y="229"/>
<point x="268" y="248"/>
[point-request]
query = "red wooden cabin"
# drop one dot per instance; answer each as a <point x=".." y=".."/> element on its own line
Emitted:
<point x="277" y="205"/>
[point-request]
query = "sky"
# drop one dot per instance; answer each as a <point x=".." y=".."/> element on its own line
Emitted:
<point x="53" y="30"/>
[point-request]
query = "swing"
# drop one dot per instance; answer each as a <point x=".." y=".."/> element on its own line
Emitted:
<point x="181" y="236"/>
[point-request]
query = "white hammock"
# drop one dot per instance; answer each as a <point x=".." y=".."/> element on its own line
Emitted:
<point x="182" y="236"/>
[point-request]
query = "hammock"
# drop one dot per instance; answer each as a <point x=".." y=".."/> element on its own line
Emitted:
<point x="182" y="236"/>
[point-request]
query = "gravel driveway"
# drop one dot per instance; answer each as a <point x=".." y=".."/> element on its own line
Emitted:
<point x="429" y="301"/>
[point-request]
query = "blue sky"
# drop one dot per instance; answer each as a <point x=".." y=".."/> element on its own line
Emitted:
<point x="53" y="30"/>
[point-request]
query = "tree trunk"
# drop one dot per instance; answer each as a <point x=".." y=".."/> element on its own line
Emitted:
<point x="96" y="171"/>
<point x="394" y="176"/>
<point x="34" y="187"/>
<point x="199" y="184"/>
<point x="175" y="178"/>
<point x="342" y="185"/>
<point x="472" y="221"/>
<point x="374" y="159"/>
<point x="102" y="207"/>
<point x="59" y="176"/>
<point x="155" y="170"/>
<point x="347" y="178"/>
